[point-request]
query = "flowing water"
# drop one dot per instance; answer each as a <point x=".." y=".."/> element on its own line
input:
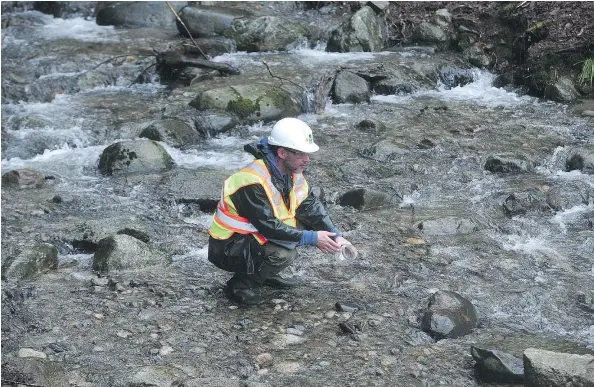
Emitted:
<point x="524" y="273"/>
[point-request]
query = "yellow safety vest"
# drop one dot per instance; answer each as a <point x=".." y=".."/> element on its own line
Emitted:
<point x="227" y="221"/>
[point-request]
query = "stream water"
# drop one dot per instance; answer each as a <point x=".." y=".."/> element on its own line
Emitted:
<point x="525" y="273"/>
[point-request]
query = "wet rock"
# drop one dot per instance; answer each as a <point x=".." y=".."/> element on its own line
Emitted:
<point x="136" y="13"/>
<point x="371" y="126"/>
<point x="264" y="360"/>
<point x="350" y="88"/>
<point x="137" y="156"/>
<point x="362" y="32"/>
<point x="34" y="372"/>
<point x="29" y="352"/>
<point x="453" y="76"/>
<point x="365" y="199"/>
<point x="449" y="315"/>
<point x="565" y="195"/>
<point x="207" y="21"/>
<point x="22" y="178"/>
<point x="171" y="131"/>
<point x="493" y="365"/>
<point x="521" y="203"/>
<point x="212" y="123"/>
<point x="384" y="151"/>
<point x="447" y="226"/>
<point x="270" y="33"/>
<point x="508" y="163"/>
<point x="476" y="56"/>
<point x="544" y="368"/>
<point x="416" y="337"/>
<point x="156" y="376"/>
<point x="199" y="186"/>
<point x="249" y="103"/>
<point x="123" y="252"/>
<point x="581" y="159"/>
<point x="27" y="262"/>
<point x="563" y="90"/>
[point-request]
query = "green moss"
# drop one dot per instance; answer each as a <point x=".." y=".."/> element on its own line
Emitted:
<point x="587" y="74"/>
<point x="537" y="26"/>
<point x="243" y="107"/>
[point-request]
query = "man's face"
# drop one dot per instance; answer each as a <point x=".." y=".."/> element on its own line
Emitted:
<point x="292" y="161"/>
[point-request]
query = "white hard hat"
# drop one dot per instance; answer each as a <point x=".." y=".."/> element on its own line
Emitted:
<point x="293" y="133"/>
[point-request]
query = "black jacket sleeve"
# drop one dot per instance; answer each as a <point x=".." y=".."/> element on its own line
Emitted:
<point x="252" y="203"/>
<point x="313" y="214"/>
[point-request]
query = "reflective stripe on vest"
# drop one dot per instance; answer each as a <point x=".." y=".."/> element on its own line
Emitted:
<point x="226" y="221"/>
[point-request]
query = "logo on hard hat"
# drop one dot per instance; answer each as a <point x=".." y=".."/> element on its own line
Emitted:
<point x="309" y="138"/>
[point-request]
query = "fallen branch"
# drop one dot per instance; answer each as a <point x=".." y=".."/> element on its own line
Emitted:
<point x="281" y="78"/>
<point x="176" y="60"/>
<point x="186" y="28"/>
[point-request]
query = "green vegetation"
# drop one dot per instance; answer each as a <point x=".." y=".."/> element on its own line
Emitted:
<point x="537" y="26"/>
<point x="587" y="74"/>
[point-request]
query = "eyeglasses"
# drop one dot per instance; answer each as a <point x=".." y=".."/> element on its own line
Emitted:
<point x="296" y="152"/>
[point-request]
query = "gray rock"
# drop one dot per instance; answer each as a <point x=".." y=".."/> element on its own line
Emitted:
<point x="365" y="199"/>
<point x="449" y="315"/>
<point x="563" y="90"/>
<point x="34" y="372"/>
<point x="136" y="156"/>
<point x="270" y="33"/>
<point x="136" y="13"/>
<point x="476" y="56"/>
<point x="553" y="369"/>
<point x="22" y="178"/>
<point x="428" y="33"/>
<point x="27" y="262"/>
<point x="362" y="32"/>
<point x="581" y="159"/>
<point x="493" y="365"/>
<point x="201" y="186"/>
<point x="384" y="151"/>
<point x="123" y="252"/>
<point x="567" y="194"/>
<point x="350" y="88"/>
<point x="371" y="126"/>
<point x="508" y="163"/>
<point x="207" y="21"/>
<point x="211" y="123"/>
<point x="521" y="203"/>
<point x="157" y="376"/>
<point x="250" y="103"/>
<point x="172" y="131"/>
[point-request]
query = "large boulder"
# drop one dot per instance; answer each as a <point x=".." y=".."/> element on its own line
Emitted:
<point x="350" y="88"/>
<point x="132" y="14"/>
<point x="250" y="103"/>
<point x="204" y="21"/>
<point x="172" y="131"/>
<point x="581" y="159"/>
<point x="544" y="368"/>
<point x="567" y="194"/>
<point x="136" y="156"/>
<point x="449" y="315"/>
<point x="270" y="33"/>
<point x="124" y="252"/>
<point x="29" y="261"/>
<point x="362" y="32"/>
<point x="23" y="178"/>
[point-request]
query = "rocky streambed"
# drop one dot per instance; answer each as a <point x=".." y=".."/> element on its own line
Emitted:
<point x="470" y="206"/>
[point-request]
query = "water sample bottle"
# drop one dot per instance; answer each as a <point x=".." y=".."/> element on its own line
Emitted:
<point x="347" y="254"/>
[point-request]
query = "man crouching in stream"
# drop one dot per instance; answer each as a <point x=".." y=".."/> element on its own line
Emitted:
<point x="254" y="231"/>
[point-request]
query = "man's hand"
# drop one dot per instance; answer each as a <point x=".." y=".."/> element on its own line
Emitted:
<point x="326" y="243"/>
<point x="341" y="241"/>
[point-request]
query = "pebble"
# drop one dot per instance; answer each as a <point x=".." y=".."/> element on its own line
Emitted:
<point x="330" y="314"/>
<point x="29" y="352"/>
<point x="165" y="350"/>
<point x="103" y="281"/>
<point x="264" y="359"/>
<point x="123" y="334"/>
<point x="98" y="316"/>
<point x="588" y="113"/>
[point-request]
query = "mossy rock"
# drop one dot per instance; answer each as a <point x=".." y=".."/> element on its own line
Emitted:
<point x="30" y="261"/>
<point x="250" y="103"/>
<point x="138" y="156"/>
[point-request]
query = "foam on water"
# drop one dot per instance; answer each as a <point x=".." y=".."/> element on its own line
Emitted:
<point x="77" y="29"/>
<point x="480" y="92"/>
<point x="220" y="159"/>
